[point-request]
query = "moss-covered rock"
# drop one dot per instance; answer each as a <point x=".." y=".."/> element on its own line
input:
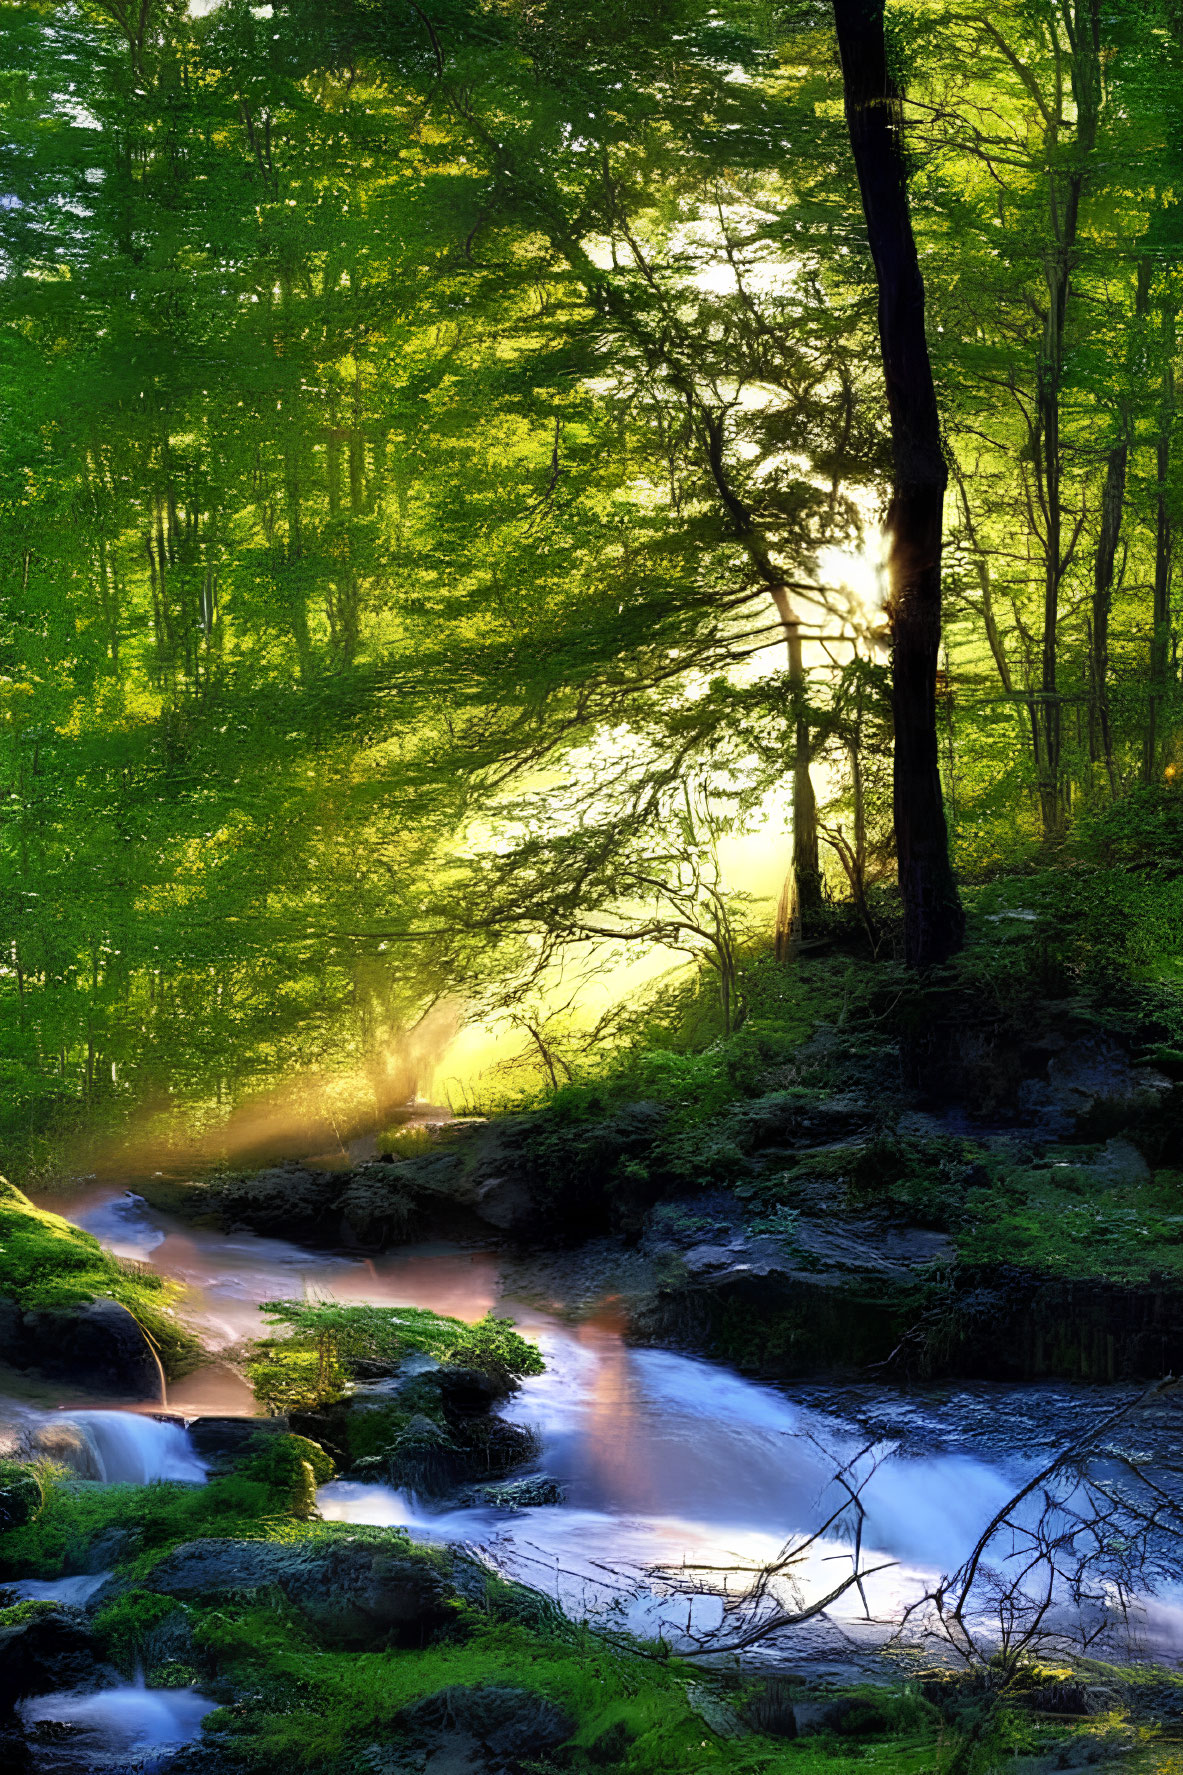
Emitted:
<point x="350" y="1593"/>
<point x="73" y="1311"/>
<point x="487" y="1721"/>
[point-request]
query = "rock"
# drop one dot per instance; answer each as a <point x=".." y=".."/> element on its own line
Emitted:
<point x="856" y="1716"/>
<point x="421" y="1458"/>
<point x="769" y="1709"/>
<point x="111" y="1547"/>
<point x="223" y="1442"/>
<point x="1090" y="1084"/>
<point x="169" y="1641"/>
<point x="290" y="1199"/>
<point x="824" y="1714"/>
<point x="505" y="1203"/>
<point x="723" y="1720"/>
<point x="377" y="1211"/>
<point x="1120" y="1162"/>
<point x="468" y="1392"/>
<point x="520" y="1494"/>
<point x="790" y="1118"/>
<point x="11" y="1332"/>
<point x="353" y="1594"/>
<point x="485" y="1727"/>
<point x="1084" y="1751"/>
<point x="99" y="1345"/>
<point x="496" y="1447"/>
<point x="52" y="1648"/>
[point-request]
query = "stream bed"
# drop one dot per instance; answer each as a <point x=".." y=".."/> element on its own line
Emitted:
<point x="666" y="1461"/>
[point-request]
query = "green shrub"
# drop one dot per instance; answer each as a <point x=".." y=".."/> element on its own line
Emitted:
<point x="312" y="1365"/>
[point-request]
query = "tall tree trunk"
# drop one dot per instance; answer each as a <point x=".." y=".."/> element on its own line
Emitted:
<point x="1112" y="503"/>
<point x="934" y="923"/>
<point x="1163" y="556"/>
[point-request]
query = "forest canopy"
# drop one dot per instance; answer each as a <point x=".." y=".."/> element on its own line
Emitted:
<point x="445" y="460"/>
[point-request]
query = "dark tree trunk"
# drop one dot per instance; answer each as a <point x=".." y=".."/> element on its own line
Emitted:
<point x="934" y="923"/>
<point x="807" y="874"/>
<point x="1112" y="505"/>
<point x="1163" y="560"/>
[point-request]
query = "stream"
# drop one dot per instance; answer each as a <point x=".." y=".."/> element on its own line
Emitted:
<point x="664" y="1459"/>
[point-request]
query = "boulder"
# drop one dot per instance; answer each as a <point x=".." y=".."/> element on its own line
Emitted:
<point x="52" y="1648"/>
<point x="288" y="1201"/>
<point x="504" y="1202"/>
<point x="487" y="1727"/>
<point x="99" y="1345"/>
<point x="222" y="1442"/>
<point x="110" y="1547"/>
<point x="169" y="1641"/>
<point x="520" y="1494"/>
<point x="353" y="1594"/>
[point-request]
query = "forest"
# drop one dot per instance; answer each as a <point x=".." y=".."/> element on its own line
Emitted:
<point x="591" y="887"/>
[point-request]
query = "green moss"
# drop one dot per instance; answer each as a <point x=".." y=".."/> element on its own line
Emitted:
<point x="317" y="1710"/>
<point x="124" y="1626"/>
<point x="298" y="1705"/>
<point x="76" y="1512"/>
<point x="293" y="1467"/>
<point x="1066" y="1221"/>
<point x="371" y="1433"/>
<point x="20" y="1612"/>
<point x="45" y="1263"/>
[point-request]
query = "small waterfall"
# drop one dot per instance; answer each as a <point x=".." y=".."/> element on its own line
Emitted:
<point x="71" y="1593"/>
<point x="123" y="1447"/>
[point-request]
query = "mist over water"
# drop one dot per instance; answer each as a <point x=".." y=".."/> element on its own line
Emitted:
<point x="229" y="1275"/>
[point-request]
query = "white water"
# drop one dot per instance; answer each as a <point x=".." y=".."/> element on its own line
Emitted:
<point x="130" y="1449"/>
<point x="665" y="1458"/>
<point x="113" y="1447"/>
<point x="69" y="1592"/>
<point x="115" y="1724"/>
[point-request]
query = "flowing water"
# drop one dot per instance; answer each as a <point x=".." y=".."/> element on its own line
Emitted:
<point x="112" y="1728"/>
<point x="665" y="1460"/>
<point x="112" y="1447"/>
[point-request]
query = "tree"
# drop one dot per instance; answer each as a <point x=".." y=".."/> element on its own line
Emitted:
<point x="934" y="923"/>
